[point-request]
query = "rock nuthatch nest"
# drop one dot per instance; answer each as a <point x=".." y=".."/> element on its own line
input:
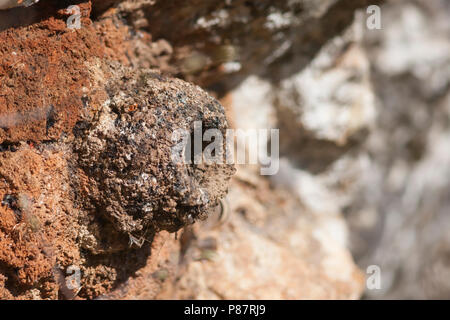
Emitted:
<point x="126" y="154"/>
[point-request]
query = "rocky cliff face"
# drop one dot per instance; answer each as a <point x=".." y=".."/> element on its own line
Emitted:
<point x="86" y="177"/>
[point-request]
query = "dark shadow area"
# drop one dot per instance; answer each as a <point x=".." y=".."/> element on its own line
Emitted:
<point x="125" y="263"/>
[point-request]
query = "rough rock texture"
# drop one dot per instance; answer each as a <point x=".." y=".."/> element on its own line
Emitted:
<point x="219" y="43"/>
<point x="326" y="109"/>
<point x="86" y="121"/>
<point x="87" y="176"/>
<point x="63" y="209"/>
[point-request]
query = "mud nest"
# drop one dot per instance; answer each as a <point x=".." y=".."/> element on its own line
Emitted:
<point x="126" y="153"/>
